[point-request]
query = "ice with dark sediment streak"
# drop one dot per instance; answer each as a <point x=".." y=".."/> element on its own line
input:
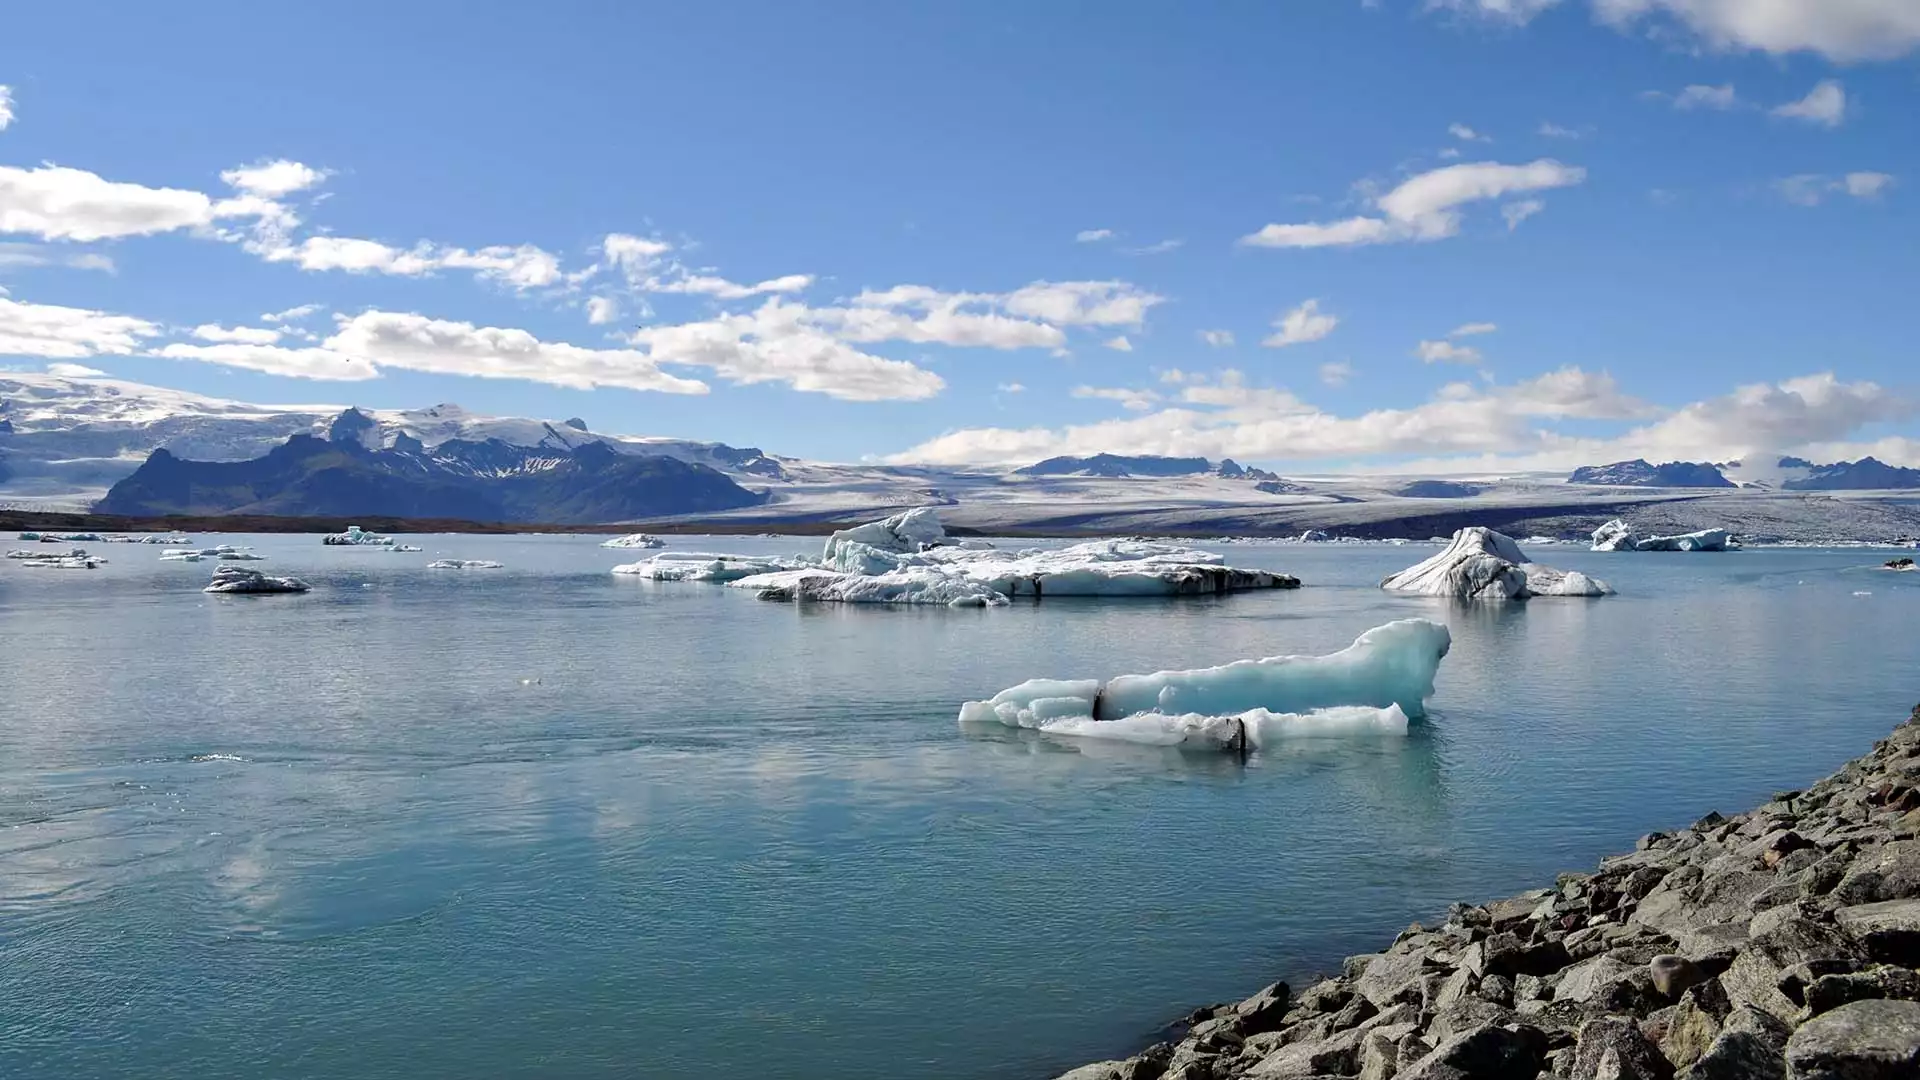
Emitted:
<point x="1478" y="563"/>
<point x="1617" y="535"/>
<point x="1373" y="685"/>
<point x="239" y="579"/>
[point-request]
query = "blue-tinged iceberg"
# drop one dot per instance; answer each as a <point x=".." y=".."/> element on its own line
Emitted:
<point x="1480" y="564"/>
<point x="1373" y="685"/>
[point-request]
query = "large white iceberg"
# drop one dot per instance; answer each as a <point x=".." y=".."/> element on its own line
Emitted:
<point x="239" y="579"/>
<point x="705" y="566"/>
<point x="1617" y="535"/>
<point x="634" y="540"/>
<point x="1252" y="729"/>
<point x="914" y="531"/>
<point x="1390" y="666"/>
<point x="1479" y="563"/>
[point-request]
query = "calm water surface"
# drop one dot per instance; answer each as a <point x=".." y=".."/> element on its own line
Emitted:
<point x="545" y="822"/>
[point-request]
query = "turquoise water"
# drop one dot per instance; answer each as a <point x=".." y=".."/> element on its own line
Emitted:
<point x="545" y="822"/>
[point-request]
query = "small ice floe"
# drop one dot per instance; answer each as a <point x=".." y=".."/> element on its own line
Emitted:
<point x="29" y="553"/>
<point x="1479" y="563"/>
<point x="405" y="548"/>
<point x="216" y="757"/>
<point x="240" y="556"/>
<point x="239" y="579"/>
<point x="1371" y="686"/>
<point x="355" y="537"/>
<point x="65" y="562"/>
<point x="634" y="540"/>
<point x="181" y="556"/>
<point x="463" y="564"/>
<point x="1902" y="564"/>
<point x="1617" y="535"/>
<point x="705" y="566"/>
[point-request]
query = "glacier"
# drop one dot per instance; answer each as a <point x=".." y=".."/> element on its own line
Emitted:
<point x="1617" y="535"/>
<point x="634" y="540"/>
<point x="1478" y="563"/>
<point x="1388" y="667"/>
<point x="239" y="579"/>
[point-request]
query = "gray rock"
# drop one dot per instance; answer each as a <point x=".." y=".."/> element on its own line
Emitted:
<point x="1498" y="989"/>
<point x="1614" y="1047"/>
<point x="1325" y="996"/>
<point x="1889" y="930"/>
<point x="1389" y="978"/>
<point x="1584" y="981"/>
<point x="1673" y="975"/>
<point x="1891" y="872"/>
<point x="1505" y="954"/>
<point x="1690" y="1031"/>
<point x="1099" y="1070"/>
<point x="1527" y="988"/>
<point x="1822" y="877"/>
<point x="1755" y="975"/>
<point x="1450" y="990"/>
<point x="1864" y="1040"/>
<point x="1829" y="992"/>
<point x="1465" y="1015"/>
<point x="1379" y="1057"/>
<point x="1793" y="981"/>
<point x="1486" y="1053"/>
<point x="1264" y="1010"/>
<point x="1337" y="1056"/>
<point x="1738" y="1055"/>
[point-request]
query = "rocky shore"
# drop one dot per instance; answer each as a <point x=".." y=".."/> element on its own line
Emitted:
<point x="1776" y="944"/>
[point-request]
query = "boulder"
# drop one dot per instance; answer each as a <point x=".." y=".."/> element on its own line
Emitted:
<point x="1829" y="992"/>
<point x="1738" y="1055"/>
<point x="1891" y="872"/>
<point x="1864" y="1040"/>
<point x="1888" y="930"/>
<point x="1485" y="1053"/>
<point x="1612" y="1047"/>
<point x="1264" y="1010"/>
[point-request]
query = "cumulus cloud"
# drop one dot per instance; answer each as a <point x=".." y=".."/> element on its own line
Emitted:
<point x="292" y="314"/>
<point x="1219" y="339"/>
<point x="295" y="363"/>
<point x="273" y="179"/>
<point x="1446" y="352"/>
<point x="68" y="333"/>
<point x="522" y="267"/>
<point x="1158" y="247"/>
<point x="1467" y="134"/>
<point x="1472" y="328"/>
<point x="1119" y="343"/>
<point x="1837" y="29"/>
<point x="243" y="335"/>
<point x="1092" y="236"/>
<point x="1425" y="207"/>
<point x="24" y="254"/>
<point x="1825" y="104"/>
<point x="1812" y="189"/>
<point x="1131" y="400"/>
<point x="74" y="371"/>
<point x="448" y="347"/>
<point x="57" y="203"/>
<point x="1721" y="97"/>
<point x="1866" y="185"/>
<point x="602" y="310"/>
<point x="1303" y="324"/>
<point x="1551" y="130"/>
<point x="6" y="107"/>
<point x="1514" y="213"/>
<point x="1082" y="303"/>
<point x="788" y="343"/>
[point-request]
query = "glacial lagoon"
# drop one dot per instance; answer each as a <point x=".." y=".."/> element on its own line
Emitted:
<point x="543" y="821"/>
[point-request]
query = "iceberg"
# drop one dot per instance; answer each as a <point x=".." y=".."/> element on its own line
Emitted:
<point x="634" y="540"/>
<point x="1900" y="565"/>
<point x="240" y="556"/>
<point x="239" y="579"/>
<point x="81" y="561"/>
<point x="1374" y="685"/>
<point x="908" y="586"/>
<point x="70" y="553"/>
<point x="463" y="564"/>
<point x="1617" y="535"/>
<point x="914" y="531"/>
<point x="355" y="537"/>
<point x="705" y="566"/>
<point x="1479" y="563"/>
<point x="406" y="548"/>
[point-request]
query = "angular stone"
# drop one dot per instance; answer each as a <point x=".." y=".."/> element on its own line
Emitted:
<point x="1829" y="992"/>
<point x="1672" y="975"/>
<point x="1337" y="1056"/>
<point x="1690" y="1030"/>
<point x="1264" y="1010"/>
<point x="1793" y="981"/>
<point x="1527" y="988"/>
<point x="1379" y="1057"/>
<point x="1465" y="1015"/>
<point x="1890" y="930"/>
<point x="1486" y="1053"/>
<point x="1738" y="1055"/>
<point x="1864" y="1040"/>
<point x="1755" y="975"/>
<point x="1518" y="908"/>
<point x="1497" y="989"/>
<point x="1617" y="1047"/>
<point x="1325" y="996"/>
<point x="1891" y="872"/>
<point x="1505" y="954"/>
<point x="1584" y="980"/>
<point x="1389" y="978"/>
<point x="1099" y="1070"/>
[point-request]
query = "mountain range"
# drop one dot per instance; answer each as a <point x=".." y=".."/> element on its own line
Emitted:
<point x="1793" y="474"/>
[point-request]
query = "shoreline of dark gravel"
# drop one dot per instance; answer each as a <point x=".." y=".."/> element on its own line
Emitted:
<point x="1779" y="944"/>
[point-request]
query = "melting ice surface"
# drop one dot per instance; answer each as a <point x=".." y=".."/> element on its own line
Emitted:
<point x="1373" y="685"/>
<point x="1479" y="563"/>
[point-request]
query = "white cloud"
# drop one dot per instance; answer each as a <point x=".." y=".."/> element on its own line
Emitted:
<point x="602" y="310"/>
<point x="1092" y="236"/>
<point x="1552" y="130"/>
<point x="292" y="314"/>
<point x="1425" y="207"/>
<point x="68" y="333"/>
<point x="721" y="288"/>
<point x="56" y="203"/>
<point x="1119" y="343"/>
<point x="1721" y="97"/>
<point x="1472" y="328"/>
<point x="1517" y="12"/>
<point x="74" y="371"/>
<point x="1811" y="189"/>
<point x="1301" y="325"/>
<point x="522" y="267"/>
<point x="1336" y="373"/>
<point x="1011" y="388"/>
<point x="1825" y="104"/>
<point x="441" y="346"/>
<point x="1082" y="303"/>
<point x="1219" y="339"/>
<point x="273" y="179"/>
<point x="14" y="254"/>
<point x="1158" y="247"/>
<point x="1467" y="134"/>
<point x="6" y="107"/>
<point x="1837" y="29"/>
<point x="241" y="335"/>
<point x="1446" y="352"/>
<point x="293" y="363"/>
<point x="793" y="344"/>
<point x="1131" y="400"/>
<point x="1516" y="212"/>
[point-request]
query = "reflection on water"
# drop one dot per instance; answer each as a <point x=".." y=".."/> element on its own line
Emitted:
<point x="546" y="822"/>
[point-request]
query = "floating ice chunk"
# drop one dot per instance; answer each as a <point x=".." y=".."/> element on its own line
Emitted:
<point x="405" y="548"/>
<point x="634" y="540"/>
<point x="917" y="585"/>
<point x="1202" y="732"/>
<point x="239" y="579"/>
<point x="1315" y="536"/>
<point x="913" y="531"/>
<point x="463" y="564"/>
<point x="1479" y="563"/>
<point x="64" y="562"/>
<point x="181" y="556"/>
<point x="28" y="553"/>
<point x="1392" y="664"/>
<point x="976" y="545"/>
<point x="705" y="566"/>
<point x="240" y="556"/>
<point x="1617" y="535"/>
<point x="355" y="537"/>
<point x="1900" y="565"/>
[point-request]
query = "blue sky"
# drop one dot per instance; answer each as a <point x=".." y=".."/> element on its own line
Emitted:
<point x="850" y="230"/>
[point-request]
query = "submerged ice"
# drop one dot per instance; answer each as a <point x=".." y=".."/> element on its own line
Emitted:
<point x="1479" y="563"/>
<point x="1373" y="685"/>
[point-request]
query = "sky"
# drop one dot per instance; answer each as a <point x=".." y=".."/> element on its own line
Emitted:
<point x="1362" y="235"/>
